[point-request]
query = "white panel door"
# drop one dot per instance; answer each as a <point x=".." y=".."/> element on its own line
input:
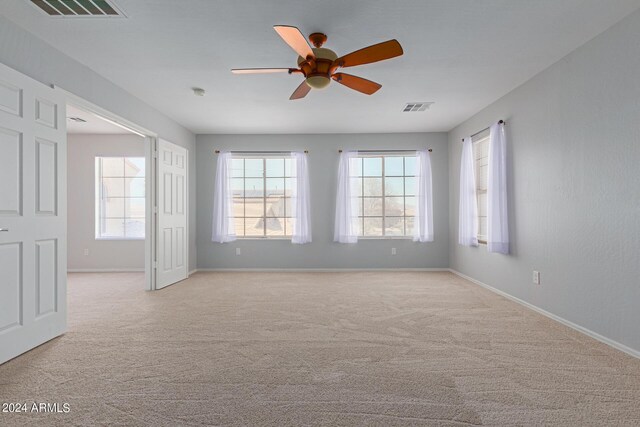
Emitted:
<point x="33" y="214"/>
<point x="172" y="259"/>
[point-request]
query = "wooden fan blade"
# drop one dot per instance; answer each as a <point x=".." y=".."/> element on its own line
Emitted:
<point x="377" y="52"/>
<point x="294" y="38"/>
<point x="259" y="70"/>
<point x="301" y="91"/>
<point x="357" y="83"/>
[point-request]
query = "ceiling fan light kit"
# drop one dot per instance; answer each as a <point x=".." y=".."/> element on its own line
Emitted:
<point x="318" y="65"/>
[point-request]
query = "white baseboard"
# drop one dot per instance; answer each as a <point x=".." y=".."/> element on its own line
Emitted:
<point x="313" y="270"/>
<point x="105" y="270"/>
<point x="615" y="344"/>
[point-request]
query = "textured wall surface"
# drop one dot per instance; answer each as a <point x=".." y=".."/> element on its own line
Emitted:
<point x="323" y="166"/>
<point x="103" y="254"/>
<point x="574" y="149"/>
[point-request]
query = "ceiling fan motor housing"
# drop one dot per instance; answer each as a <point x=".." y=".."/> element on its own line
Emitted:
<point x="318" y="71"/>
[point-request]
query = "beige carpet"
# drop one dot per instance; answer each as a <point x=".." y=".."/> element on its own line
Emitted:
<point x="284" y="349"/>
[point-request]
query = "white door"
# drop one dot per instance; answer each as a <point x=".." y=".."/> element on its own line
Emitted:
<point x="33" y="214"/>
<point x="173" y="170"/>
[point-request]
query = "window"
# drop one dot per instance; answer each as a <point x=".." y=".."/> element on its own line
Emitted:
<point x="385" y="185"/>
<point x="481" y="157"/>
<point x="120" y="198"/>
<point x="262" y="188"/>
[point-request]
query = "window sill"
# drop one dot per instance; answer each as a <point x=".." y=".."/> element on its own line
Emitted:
<point x="385" y="238"/>
<point x="263" y="238"/>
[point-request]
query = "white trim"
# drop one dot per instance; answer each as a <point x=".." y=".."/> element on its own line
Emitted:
<point x="105" y="270"/>
<point x="195" y="270"/>
<point x="615" y="344"/>
<point x="317" y="270"/>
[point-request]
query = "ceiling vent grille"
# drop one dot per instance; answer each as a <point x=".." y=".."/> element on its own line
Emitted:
<point x="78" y="8"/>
<point x="416" y="106"/>
<point x="77" y="119"/>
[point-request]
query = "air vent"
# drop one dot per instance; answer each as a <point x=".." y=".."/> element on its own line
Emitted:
<point x="79" y="8"/>
<point x="416" y="106"/>
<point x="76" y="119"/>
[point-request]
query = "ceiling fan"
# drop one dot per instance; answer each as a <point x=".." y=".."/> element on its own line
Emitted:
<point x="318" y="65"/>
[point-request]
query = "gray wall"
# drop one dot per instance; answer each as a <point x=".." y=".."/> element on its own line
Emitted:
<point x="103" y="254"/>
<point x="32" y="56"/>
<point x="323" y="165"/>
<point x="574" y="149"/>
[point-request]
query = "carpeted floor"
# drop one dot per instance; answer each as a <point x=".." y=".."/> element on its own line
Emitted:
<point x="296" y="349"/>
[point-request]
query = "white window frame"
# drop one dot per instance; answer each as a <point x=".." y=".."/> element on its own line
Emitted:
<point x="264" y="157"/>
<point x="481" y="159"/>
<point x="99" y="197"/>
<point x="408" y="233"/>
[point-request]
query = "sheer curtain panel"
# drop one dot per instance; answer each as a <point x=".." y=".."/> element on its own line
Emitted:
<point x="497" y="212"/>
<point x="468" y="205"/>
<point x="223" y="223"/>
<point x="346" y="220"/>
<point x="423" y="223"/>
<point x="301" y="200"/>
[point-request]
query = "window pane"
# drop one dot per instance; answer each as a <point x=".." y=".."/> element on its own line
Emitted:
<point x="394" y="226"/>
<point x="239" y="226"/>
<point x="372" y="226"/>
<point x="254" y="207"/>
<point x="112" y="166"/>
<point x="482" y="227"/>
<point x="372" y="186"/>
<point x="254" y="227"/>
<point x="408" y="225"/>
<point x="394" y="206"/>
<point x="254" y="187"/>
<point x="356" y="187"/>
<point x="372" y="206"/>
<point x="410" y="206"/>
<point x="393" y="166"/>
<point x="289" y="183"/>
<point x="112" y="228"/>
<point x="275" y="206"/>
<point x="134" y="167"/>
<point x="410" y="166"/>
<point x="288" y="212"/>
<point x="253" y="167"/>
<point x="288" y="167"/>
<point x="134" y="228"/>
<point x="394" y="186"/>
<point x="275" y="186"/>
<point x="372" y="166"/>
<point x="134" y="187"/>
<point x="275" y="167"/>
<point x="237" y="187"/>
<point x="113" y="208"/>
<point x="134" y="208"/>
<point x="238" y="207"/>
<point x="482" y="204"/>
<point x="275" y="226"/>
<point x="410" y="186"/>
<point x="288" y="226"/>
<point x="237" y="168"/>
<point x="113" y="187"/>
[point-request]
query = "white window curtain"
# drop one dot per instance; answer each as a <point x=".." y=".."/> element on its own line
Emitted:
<point x="347" y="206"/>
<point x="497" y="213"/>
<point x="468" y="204"/>
<point x="223" y="224"/>
<point x="301" y="199"/>
<point x="423" y="222"/>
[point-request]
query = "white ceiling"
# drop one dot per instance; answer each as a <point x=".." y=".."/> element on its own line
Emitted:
<point x="460" y="54"/>
<point x="92" y="124"/>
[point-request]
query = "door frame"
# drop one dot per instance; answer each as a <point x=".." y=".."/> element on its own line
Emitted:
<point x="151" y="178"/>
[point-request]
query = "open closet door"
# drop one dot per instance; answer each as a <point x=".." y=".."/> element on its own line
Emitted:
<point x="173" y="185"/>
<point x="33" y="214"/>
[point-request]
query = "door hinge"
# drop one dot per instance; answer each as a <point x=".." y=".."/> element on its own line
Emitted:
<point x="155" y="264"/>
<point x="155" y="154"/>
<point x="155" y="209"/>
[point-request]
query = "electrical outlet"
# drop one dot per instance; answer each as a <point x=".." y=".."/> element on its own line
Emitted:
<point x="536" y="277"/>
<point x="238" y="251"/>
<point x="393" y="251"/>
<point x="86" y="251"/>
